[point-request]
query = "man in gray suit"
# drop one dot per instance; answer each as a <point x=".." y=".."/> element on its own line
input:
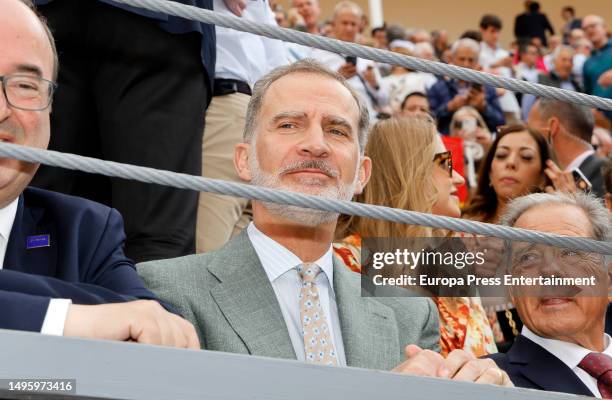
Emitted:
<point x="276" y="289"/>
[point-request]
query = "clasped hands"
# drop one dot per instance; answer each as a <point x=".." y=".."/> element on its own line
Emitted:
<point x="459" y="365"/>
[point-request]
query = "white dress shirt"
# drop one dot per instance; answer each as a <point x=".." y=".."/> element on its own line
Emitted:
<point x="490" y="55"/>
<point x="280" y="266"/>
<point x="244" y="56"/>
<point x="53" y="324"/>
<point x="571" y="355"/>
<point x="579" y="160"/>
<point x="334" y="61"/>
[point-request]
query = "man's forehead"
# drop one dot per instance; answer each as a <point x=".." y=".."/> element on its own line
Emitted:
<point x="310" y="90"/>
<point x="23" y="40"/>
<point x="561" y="219"/>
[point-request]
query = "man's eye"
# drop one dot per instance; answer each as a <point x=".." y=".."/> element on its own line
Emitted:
<point x="338" y="132"/>
<point x="286" y="125"/>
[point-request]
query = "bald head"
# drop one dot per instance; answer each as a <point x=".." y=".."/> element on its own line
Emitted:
<point x="20" y="21"/>
<point x="594" y="27"/>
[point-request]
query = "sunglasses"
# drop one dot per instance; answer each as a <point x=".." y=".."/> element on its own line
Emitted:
<point x="445" y="160"/>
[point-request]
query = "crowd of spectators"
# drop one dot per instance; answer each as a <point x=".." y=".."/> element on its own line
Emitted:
<point x="227" y="274"/>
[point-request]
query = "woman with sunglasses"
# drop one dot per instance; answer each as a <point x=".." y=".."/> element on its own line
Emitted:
<point x="412" y="170"/>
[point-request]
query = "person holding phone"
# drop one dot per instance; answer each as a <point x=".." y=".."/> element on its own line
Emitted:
<point x="449" y="95"/>
<point x="363" y="75"/>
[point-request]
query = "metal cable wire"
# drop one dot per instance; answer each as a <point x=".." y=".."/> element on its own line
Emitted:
<point x="185" y="181"/>
<point x="384" y="56"/>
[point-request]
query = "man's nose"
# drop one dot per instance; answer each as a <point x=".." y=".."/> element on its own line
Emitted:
<point x="5" y="108"/>
<point x="314" y="143"/>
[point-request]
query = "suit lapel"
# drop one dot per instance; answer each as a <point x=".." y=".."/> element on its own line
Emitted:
<point x="544" y="369"/>
<point x="248" y="302"/>
<point x="30" y="221"/>
<point x="369" y="328"/>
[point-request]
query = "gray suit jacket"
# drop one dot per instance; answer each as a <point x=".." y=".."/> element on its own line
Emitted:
<point x="229" y="299"/>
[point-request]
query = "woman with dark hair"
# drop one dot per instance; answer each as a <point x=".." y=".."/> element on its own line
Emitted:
<point x="513" y="167"/>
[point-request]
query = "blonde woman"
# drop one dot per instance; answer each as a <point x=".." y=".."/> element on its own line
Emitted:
<point x="411" y="169"/>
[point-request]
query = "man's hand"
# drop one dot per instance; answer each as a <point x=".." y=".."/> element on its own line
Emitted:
<point x="459" y="366"/>
<point x="563" y="181"/>
<point x="463" y="366"/>
<point x="605" y="79"/>
<point x="457" y="102"/>
<point x="477" y="99"/>
<point x="236" y="6"/>
<point x="142" y="321"/>
<point x="370" y="77"/>
<point x="348" y="70"/>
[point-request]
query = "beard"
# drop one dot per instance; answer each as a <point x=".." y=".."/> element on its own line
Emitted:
<point x="313" y="186"/>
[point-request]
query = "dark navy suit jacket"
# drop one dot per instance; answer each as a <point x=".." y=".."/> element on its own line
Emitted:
<point x="83" y="262"/>
<point x="531" y="366"/>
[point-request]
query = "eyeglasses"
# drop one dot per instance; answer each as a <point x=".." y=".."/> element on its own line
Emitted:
<point x="445" y="160"/>
<point x="26" y="92"/>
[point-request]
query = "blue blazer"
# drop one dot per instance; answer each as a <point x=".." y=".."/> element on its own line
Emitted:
<point x="531" y="366"/>
<point x="444" y="90"/>
<point x="83" y="261"/>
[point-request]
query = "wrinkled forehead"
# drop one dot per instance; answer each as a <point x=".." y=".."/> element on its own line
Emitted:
<point x="310" y="93"/>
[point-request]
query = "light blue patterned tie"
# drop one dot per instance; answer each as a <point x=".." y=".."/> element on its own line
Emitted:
<point x="318" y="345"/>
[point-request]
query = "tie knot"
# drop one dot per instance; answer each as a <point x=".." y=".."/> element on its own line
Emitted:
<point x="308" y="272"/>
<point x="596" y="364"/>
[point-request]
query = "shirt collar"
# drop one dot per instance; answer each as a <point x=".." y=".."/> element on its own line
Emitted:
<point x="579" y="160"/>
<point x="277" y="259"/>
<point x="569" y="353"/>
<point x="7" y="218"/>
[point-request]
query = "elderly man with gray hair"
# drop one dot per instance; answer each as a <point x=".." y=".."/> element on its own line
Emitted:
<point x="560" y="76"/>
<point x="448" y="94"/>
<point x="568" y="129"/>
<point x="562" y="346"/>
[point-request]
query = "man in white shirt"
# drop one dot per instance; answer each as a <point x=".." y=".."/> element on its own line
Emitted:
<point x="492" y="55"/>
<point x="562" y="347"/>
<point x="242" y="58"/>
<point x="61" y="257"/>
<point x="363" y="75"/>
<point x="568" y="128"/>
<point x="276" y="290"/>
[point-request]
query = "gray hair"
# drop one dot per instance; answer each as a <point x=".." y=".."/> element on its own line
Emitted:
<point x="597" y="214"/>
<point x="306" y="66"/>
<point x="561" y="48"/>
<point x="347" y="5"/>
<point x="577" y="120"/>
<point x="465" y="42"/>
<point x="422" y="47"/>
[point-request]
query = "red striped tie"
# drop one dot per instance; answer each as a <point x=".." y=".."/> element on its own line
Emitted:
<point x="599" y="366"/>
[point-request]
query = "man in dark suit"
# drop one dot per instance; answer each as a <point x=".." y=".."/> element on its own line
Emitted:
<point x="532" y="23"/>
<point x="61" y="257"/>
<point x="563" y="341"/>
<point x="568" y="129"/>
<point x="135" y="85"/>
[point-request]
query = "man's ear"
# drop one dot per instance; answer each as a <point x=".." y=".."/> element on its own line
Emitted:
<point x="242" y="152"/>
<point x="364" y="172"/>
<point x="554" y="125"/>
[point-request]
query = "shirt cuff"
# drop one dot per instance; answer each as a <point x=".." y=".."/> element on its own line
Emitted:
<point x="56" y="317"/>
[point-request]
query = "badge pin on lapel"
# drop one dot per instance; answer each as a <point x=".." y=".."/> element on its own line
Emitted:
<point x="37" y="241"/>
